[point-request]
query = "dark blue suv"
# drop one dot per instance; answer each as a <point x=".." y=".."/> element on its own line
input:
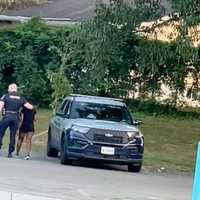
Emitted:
<point x="95" y="128"/>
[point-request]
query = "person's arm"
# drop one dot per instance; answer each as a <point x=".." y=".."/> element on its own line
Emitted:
<point x="2" y="102"/>
<point x="1" y="105"/>
<point x="21" y="117"/>
<point x="28" y="106"/>
<point x="35" y="117"/>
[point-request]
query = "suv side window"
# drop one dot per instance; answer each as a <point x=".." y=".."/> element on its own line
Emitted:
<point x="66" y="108"/>
<point x="61" y="109"/>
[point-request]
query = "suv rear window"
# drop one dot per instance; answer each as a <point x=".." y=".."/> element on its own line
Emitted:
<point x="96" y="111"/>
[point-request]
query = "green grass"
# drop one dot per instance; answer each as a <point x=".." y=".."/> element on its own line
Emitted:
<point x="170" y="142"/>
<point x="42" y="124"/>
<point x="42" y="120"/>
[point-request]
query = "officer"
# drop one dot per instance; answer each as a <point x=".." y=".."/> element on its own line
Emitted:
<point x="11" y="103"/>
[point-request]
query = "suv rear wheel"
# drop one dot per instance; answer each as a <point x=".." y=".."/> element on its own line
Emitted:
<point x="63" y="153"/>
<point x="134" y="168"/>
<point x="51" y="152"/>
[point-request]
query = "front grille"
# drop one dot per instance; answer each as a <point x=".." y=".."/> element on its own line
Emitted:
<point x="113" y="140"/>
<point x="133" y="150"/>
<point x="99" y="135"/>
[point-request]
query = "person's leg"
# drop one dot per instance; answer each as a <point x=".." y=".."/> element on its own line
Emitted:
<point x="3" y="126"/>
<point x="28" y="144"/>
<point x="19" y="142"/>
<point x="13" y="131"/>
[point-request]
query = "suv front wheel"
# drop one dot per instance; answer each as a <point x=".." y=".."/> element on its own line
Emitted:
<point x="51" y="152"/>
<point x="63" y="153"/>
<point x="134" y="168"/>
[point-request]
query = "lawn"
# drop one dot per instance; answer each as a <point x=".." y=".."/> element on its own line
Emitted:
<point x="41" y="126"/>
<point x="169" y="142"/>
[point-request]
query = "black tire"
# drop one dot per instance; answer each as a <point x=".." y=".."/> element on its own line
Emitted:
<point x="135" y="168"/>
<point x="64" y="160"/>
<point x="51" y="152"/>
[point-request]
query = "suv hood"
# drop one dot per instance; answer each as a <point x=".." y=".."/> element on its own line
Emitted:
<point x="106" y="125"/>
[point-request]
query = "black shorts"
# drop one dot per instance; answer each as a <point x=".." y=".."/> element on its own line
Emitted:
<point x="26" y="128"/>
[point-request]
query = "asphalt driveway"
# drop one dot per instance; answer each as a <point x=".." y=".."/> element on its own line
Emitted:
<point x="44" y="176"/>
<point x="74" y="9"/>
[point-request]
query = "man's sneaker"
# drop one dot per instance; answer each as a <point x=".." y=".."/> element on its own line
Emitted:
<point x="27" y="157"/>
<point x="10" y="155"/>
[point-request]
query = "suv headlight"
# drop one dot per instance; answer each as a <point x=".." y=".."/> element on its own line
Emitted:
<point x="134" y="135"/>
<point x="80" y="129"/>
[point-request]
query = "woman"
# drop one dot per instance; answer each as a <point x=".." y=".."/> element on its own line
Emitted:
<point x="26" y="131"/>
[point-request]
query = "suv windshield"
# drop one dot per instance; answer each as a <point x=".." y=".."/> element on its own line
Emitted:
<point x="96" y="111"/>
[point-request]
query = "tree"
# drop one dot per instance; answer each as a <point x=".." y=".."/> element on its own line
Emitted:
<point x="33" y="82"/>
<point x="60" y="86"/>
<point x="109" y="54"/>
<point x="111" y="44"/>
<point x="26" y="58"/>
<point x="59" y="82"/>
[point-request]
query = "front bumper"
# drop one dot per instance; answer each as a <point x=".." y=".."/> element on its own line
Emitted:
<point x="123" y="154"/>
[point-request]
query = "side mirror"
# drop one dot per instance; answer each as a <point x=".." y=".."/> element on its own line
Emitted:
<point x="137" y="122"/>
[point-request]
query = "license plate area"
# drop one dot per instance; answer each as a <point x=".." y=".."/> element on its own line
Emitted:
<point x="108" y="150"/>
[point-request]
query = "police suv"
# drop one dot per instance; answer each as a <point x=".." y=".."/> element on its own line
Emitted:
<point x="95" y="128"/>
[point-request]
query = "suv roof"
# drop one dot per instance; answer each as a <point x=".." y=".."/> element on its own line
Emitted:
<point x="97" y="99"/>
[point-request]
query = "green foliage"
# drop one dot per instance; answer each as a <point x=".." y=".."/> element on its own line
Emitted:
<point x="105" y="55"/>
<point x="151" y="107"/>
<point x="189" y="10"/>
<point x="31" y="77"/>
<point x="59" y="82"/>
<point x="109" y="56"/>
<point x="60" y="86"/>
<point x="161" y="62"/>
<point x="26" y="58"/>
<point x="108" y="47"/>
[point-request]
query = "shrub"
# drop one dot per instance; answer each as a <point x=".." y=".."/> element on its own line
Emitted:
<point x="151" y="107"/>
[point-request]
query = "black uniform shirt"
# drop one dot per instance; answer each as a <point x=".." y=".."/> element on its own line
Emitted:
<point x="12" y="102"/>
<point x="28" y="115"/>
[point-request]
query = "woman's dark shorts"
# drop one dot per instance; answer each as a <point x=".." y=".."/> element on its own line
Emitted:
<point x="27" y="128"/>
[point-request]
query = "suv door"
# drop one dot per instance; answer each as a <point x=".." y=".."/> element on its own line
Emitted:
<point x="65" y="120"/>
<point x="58" y="122"/>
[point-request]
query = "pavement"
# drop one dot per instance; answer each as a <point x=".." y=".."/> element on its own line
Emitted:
<point x="76" y="10"/>
<point x="46" y="177"/>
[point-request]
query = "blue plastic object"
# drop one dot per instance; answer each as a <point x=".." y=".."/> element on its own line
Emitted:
<point x="196" y="185"/>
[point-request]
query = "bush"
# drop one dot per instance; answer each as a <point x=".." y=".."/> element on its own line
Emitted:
<point x="151" y="107"/>
<point x="27" y="56"/>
